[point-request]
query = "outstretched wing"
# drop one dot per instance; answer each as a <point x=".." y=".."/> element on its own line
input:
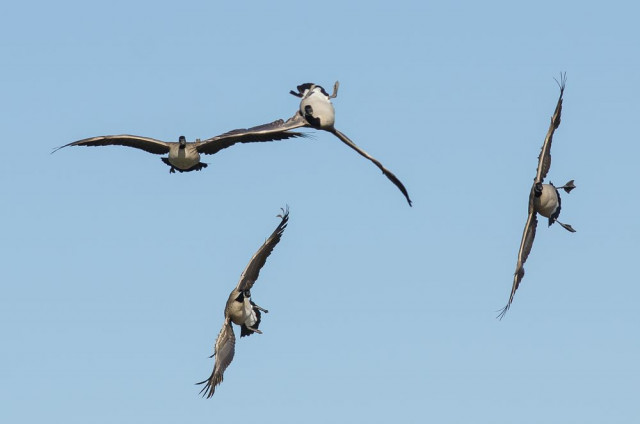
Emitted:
<point x="147" y="144"/>
<point x="252" y="271"/>
<point x="526" y="243"/>
<point x="224" y="351"/>
<point x="544" y="160"/>
<point x="276" y="130"/>
<point x="384" y="170"/>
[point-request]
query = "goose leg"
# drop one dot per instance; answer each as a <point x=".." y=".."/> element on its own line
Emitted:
<point x="260" y="308"/>
<point x="568" y="186"/>
<point x="335" y="90"/>
<point x="254" y="330"/>
<point x="566" y="226"/>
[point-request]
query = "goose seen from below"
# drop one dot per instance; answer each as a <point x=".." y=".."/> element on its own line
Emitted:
<point x="316" y="111"/>
<point x="184" y="156"/>
<point x="544" y="199"/>
<point x="241" y="310"/>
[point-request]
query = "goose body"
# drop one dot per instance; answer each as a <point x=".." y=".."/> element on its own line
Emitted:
<point x="547" y="203"/>
<point x="316" y="107"/>
<point x="184" y="157"/>
<point x="241" y="310"/>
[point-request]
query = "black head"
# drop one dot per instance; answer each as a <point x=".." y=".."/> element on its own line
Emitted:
<point x="182" y="141"/>
<point x="537" y="189"/>
<point x="243" y="294"/>
<point x="301" y="88"/>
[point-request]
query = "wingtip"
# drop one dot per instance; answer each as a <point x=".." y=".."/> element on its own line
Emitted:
<point x="503" y="312"/>
<point x="209" y="388"/>
<point x="562" y="82"/>
<point x="285" y="213"/>
<point x="56" y="149"/>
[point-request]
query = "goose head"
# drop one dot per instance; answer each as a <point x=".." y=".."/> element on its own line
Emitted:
<point x="537" y="189"/>
<point x="242" y="295"/>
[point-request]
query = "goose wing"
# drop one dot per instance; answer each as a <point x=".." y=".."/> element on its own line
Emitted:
<point x="224" y="351"/>
<point x="526" y="243"/>
<point x="147" y="144"/>
<point x="252" y="271"/>
<point x="390" y="175"/>
<point x="544" y="160"/>
<point x="276" y="130"/>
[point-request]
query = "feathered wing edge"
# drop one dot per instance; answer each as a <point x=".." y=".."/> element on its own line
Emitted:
<point x="528" y="235"/>
<point x="224" y="351"/>
<point x="147" y="144"/>
<point x="252" y="271"/>
<point x="544" y="159"/>
<point x="273" y="131"/>
<point x="390" y="175"/>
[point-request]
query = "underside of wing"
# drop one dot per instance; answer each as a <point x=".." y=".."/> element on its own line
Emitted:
<point x="390" y="175"/>
<point x="147" y="144"/>
<point x="276" y="130"/>
<point x="224" y="351"/>
<point x="544" y="160"/>
<point x="528" y="235"/>
<point x="252" y="271"/>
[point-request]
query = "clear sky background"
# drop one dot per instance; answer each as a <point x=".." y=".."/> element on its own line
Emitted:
<point x="115" y="273"/>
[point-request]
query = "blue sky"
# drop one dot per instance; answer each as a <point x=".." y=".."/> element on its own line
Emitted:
<point x="115" y="273"/>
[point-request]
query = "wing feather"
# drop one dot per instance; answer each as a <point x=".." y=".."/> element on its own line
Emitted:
<point x="528" y="235"/>
<point x="224" y="351"/>
<point x="252" y="271"/>
<point x="544" y="159"/>
<point x="147" y="144"/>
<point x="395" y="180"/>
<point x="276" y="130"/>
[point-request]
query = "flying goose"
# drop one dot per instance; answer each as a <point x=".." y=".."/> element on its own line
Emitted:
<point x="544" y="199"/>
<point x="241" y="310"/>
<point x="185" y="156"/>
<point x="316" y="111"/>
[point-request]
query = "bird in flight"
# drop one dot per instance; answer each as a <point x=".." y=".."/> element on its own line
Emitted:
<point x="544" y="199"/>
<point x="241" y="310"/>
<point x="316" y="111"/>
<point x="184" y="156"/>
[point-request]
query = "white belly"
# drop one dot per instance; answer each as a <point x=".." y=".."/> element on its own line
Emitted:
<point x="243" y="313"/>
<point x="322" y="109"/>
<point x="183" y="158"/>
<point x="547" y="203"/>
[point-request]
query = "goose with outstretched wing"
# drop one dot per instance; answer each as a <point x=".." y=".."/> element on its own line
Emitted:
<point x="184" y="156"/>
<point x="241" y="310"/>
<point x="316" y="111"/>
<point x="544" y="199"/>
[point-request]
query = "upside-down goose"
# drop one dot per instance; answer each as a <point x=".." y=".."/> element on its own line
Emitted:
<point x="316" y="111"/>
